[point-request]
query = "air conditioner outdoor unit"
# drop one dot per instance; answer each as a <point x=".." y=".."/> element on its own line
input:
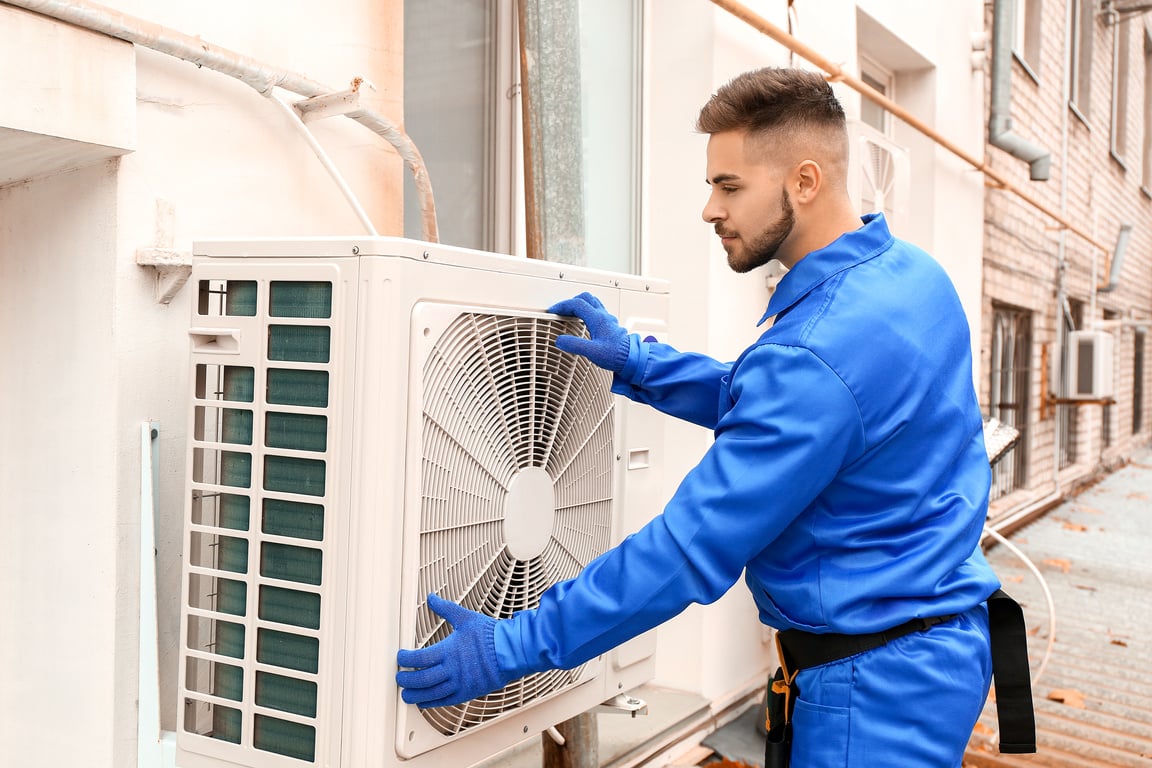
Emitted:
<point x="878" y="172"/>
<point x="373" y="420"/>
<point x="1089" y="368"/>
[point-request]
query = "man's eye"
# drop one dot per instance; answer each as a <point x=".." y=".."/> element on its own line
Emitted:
<point x="729" y="190"/>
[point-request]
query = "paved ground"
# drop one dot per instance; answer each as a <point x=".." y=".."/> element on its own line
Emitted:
<point x="1094" y="694"/>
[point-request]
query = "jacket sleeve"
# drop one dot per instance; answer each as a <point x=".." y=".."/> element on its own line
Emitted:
<point x="792" y="425"/>
<point x="686" y="385"/>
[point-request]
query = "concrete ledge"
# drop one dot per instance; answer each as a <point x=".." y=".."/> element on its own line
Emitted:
<point x="69" y="96"/>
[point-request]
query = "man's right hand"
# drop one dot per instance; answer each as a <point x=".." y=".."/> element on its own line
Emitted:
<point x="609" y="345"/>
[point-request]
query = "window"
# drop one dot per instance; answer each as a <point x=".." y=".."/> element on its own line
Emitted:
<point x="1026" y="44"/>
<point x="1068" y="416"/>
<point x="880" y="80"/>
<point x="1080" y="62"/>
<point x="1108" y="412"/>
<point x="1119" y="137"/>
<point x="462" y="108"/>
<point x="1146" y="173"/>
<point x="1138" y="382"/>
<point x="1008" y="391"/>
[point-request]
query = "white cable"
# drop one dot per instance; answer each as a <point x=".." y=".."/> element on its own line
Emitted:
<point x="556" y="735"/>
<point x="326" y="161"/>
<point x="1047" y="596"/>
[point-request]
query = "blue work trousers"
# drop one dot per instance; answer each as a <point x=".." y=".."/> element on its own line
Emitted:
<point x="911" y="703"/>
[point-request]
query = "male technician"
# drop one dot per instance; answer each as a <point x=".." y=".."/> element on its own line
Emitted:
<point x="848" y="479"/>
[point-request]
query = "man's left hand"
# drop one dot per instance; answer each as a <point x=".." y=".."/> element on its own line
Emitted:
<point x="461" y="667"/>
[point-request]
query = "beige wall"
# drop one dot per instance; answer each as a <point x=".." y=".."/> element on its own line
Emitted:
<point x="88" y="354"/>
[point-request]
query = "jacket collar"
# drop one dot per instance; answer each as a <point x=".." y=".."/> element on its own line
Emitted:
<point x="846" y="251"/>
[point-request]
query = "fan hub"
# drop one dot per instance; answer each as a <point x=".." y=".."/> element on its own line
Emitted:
<point x="529" y="513"/>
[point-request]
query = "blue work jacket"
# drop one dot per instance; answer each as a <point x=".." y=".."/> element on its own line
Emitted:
<point x="848" y="479"/>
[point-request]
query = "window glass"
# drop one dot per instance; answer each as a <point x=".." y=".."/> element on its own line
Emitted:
<point x="1119" y="135"/>
<point x="462" y="109"/>
<point x="872" y="113"/>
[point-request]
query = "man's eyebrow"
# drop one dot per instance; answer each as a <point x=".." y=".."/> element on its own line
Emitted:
<point x="721" y="178"/>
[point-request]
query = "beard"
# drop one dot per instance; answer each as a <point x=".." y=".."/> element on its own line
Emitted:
<point x="762" y="248"/>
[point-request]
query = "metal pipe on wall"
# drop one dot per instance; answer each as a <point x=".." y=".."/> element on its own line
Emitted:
<point x="262" y="77"/>
<point x="1000" y="133"/>
<point x="837" y="74"/>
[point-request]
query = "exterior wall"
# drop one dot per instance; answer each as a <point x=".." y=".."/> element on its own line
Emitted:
<point x="692" y="50"/>
<point x="90" y="354"/>
<point x="1030" y="263"/>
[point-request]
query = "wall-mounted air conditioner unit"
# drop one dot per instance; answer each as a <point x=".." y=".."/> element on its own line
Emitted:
<point x="1089" y="369"/>
<point x="878" y="173"/>
<point x="373" y="420"/>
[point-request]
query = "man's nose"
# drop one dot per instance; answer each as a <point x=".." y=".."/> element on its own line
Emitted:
<point x="712" y="212"/>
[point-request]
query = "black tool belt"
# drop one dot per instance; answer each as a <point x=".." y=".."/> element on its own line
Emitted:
<point x="801" y="650"/>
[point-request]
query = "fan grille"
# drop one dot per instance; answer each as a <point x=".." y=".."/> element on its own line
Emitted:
<point x="499" y="400"/>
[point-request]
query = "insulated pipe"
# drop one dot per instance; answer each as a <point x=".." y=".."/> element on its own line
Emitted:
<point x="259" y="76"/>
<point x="1000" y="133"/>
<point x="837" y="73"/>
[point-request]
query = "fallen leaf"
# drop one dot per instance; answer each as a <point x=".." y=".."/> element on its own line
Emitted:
<point x="983" y="730"/>
<point x="1075" y="527"/>
<point x="1057" y="562"/>
<point x="1090" y="510"/>
<point x="1068" y="697"/>
<point x="1119" y="642"/>
<point x="1014" y="579"/>
<point x="1085" y="587"/>
<point x="1138" y="496"/>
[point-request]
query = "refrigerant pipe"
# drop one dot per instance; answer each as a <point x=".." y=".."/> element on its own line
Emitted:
<point x="262" y="77"/>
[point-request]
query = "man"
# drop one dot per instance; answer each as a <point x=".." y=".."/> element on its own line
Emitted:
<point x="848" y="479"/>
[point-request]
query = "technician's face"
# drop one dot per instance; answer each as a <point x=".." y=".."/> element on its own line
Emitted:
<point x="748" y="206"/>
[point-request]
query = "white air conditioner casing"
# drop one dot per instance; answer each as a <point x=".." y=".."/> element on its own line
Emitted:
<point x="1089" y="369"/>
<point x="374" y="419"/>
<point x="879" y="179"/>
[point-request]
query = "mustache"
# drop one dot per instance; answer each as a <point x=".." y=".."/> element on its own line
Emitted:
<point x="723" y="232"/>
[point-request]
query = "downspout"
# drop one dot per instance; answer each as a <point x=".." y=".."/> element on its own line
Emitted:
<point x="1117" y="259"/>
<point x="262" y="77"/>
<point x="1000" y="133"/>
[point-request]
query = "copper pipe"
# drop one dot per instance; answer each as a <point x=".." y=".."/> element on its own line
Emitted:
<point x="837" y="74"/>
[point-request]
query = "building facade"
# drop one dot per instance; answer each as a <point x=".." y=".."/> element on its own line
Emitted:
<point x="115" y="156"/>
<point x="1075" y="82"/>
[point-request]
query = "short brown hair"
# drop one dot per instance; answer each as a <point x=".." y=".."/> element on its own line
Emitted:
<point x="772" y="98"/>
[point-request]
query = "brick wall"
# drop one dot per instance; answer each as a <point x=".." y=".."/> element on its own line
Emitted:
<point x="1022" y="253"/>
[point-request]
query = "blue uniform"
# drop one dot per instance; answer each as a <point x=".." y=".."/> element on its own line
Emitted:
<point x="848" y="480"/>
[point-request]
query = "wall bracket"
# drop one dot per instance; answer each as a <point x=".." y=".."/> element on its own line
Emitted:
<point x="172" y="270"/>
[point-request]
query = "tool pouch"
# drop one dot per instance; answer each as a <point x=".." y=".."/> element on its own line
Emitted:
<point x="778" y="720"/>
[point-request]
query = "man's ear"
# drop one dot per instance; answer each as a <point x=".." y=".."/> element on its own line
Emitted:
<point x="805" y="181"/>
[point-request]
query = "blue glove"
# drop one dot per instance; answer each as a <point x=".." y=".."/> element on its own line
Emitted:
<point x="609" y="345"/>
<point x="461" y="667"/>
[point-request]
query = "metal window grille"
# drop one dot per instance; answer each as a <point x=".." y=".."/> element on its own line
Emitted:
<point x="1068" y="416"/>
<point x="1138" y="383"/>
<point x="1009" y="391"/>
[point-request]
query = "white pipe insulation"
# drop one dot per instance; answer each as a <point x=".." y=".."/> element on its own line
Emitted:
<point x="258" y="75"/>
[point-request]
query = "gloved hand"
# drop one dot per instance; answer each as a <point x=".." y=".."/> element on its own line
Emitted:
<point x="609" y="345"/>
<point x="461" y="667"/>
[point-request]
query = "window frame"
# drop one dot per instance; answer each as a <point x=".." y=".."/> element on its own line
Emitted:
<point x="1083" y="22"/>
<point x="1121" y="70"/>
<point x="1027" y="38"/>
